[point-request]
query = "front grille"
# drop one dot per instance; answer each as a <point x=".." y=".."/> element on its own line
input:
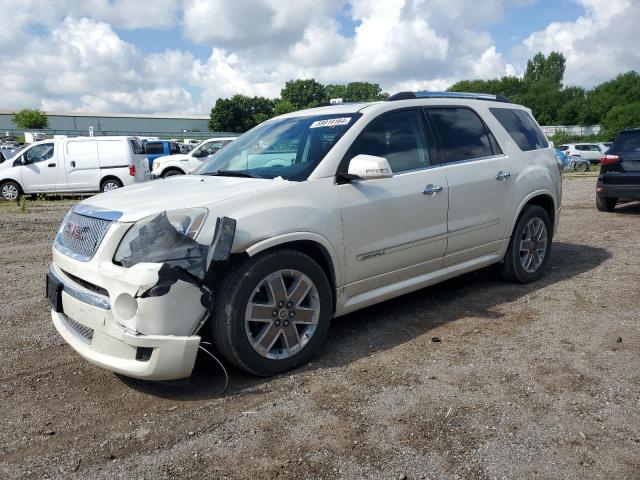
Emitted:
<point x="84" y="333"/>
<point x="80" y="235"/>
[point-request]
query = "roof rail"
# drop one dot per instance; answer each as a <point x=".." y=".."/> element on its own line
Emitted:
<point x="425" y="94"/>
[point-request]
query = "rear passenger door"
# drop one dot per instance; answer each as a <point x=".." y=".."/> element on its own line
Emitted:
<point x="480" y="180"/>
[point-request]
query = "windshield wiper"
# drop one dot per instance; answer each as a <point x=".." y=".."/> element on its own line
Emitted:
<point x="233" y="173"/>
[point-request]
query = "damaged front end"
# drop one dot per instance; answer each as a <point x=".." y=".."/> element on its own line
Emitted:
<point x="143" y="292"/>
<point x="168" y="267"/>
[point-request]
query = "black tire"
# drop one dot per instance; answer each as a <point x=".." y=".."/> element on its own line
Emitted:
<point x="109" y="184"/>
<point x="10" y="190"/>
<point x="171" y="172"/>
<point x="512" y="268"/>
<point x="605" y="204"/>
<point x="582" y="166"/>
<point x="233" y="296"/>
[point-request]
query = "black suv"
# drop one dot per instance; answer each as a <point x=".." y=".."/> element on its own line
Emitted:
<point x="619" y="177"/>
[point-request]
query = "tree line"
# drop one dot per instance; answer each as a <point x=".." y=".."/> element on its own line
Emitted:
<point x="240" y="112"/>
<point x="614" y="104"/>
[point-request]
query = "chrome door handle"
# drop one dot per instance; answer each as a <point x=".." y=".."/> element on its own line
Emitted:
<point x="501" y="176"/>
<point x="432" y="189"/>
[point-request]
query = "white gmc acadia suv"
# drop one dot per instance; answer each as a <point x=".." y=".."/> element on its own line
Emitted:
<point x="307" y="217"/>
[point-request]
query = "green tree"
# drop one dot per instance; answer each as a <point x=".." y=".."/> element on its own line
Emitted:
<point x="622" y="90"/>
<point x="335" y="91"/>
<point x="621" y="116"/>
<point x="240" y="113"/>
<point x="28" y="118"/>
<point x="303" y="93"/>
<point x="548" y="69"/>
<point x="510" y="87"/>
<point x="355" y="92"/>
<point x="283" y="106"/>
<point x="364" y="92"/>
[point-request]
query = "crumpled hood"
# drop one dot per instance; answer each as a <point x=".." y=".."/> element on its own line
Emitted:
<point x="173" y="193"/>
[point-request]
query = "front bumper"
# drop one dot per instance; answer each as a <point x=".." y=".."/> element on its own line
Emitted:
<point x="87" y="325"/>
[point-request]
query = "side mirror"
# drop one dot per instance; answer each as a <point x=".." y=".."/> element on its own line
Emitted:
<point x="369" y="167"/>
<point x="20" y="161"/>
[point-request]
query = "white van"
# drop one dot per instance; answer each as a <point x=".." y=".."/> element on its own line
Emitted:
<point x="81" y="164"/>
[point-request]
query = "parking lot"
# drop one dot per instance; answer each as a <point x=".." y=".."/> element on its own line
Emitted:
<point x="472" y="378"/>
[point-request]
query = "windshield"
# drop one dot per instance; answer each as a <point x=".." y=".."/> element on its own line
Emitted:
<point x="290" y="148"/>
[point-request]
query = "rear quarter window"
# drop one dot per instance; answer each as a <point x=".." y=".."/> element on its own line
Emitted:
<point x="153" y="148"/>
<point x="521" y="127"/>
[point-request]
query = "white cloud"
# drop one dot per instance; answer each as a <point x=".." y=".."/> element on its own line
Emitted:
<point x="598" y="45"/>
<point x="67" y="54"/>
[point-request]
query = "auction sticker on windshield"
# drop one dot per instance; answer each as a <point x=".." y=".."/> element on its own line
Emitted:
<point x="331" y="122"/>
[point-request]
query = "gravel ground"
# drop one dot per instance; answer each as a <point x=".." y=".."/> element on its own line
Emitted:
<point x="527" y="381"/>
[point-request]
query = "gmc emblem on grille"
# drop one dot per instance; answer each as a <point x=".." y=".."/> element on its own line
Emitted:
<point x="75" y="230"/>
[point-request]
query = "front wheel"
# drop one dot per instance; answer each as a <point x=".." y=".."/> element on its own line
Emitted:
<point x="529" y="247"/>
<point x="172" y="172"/>
<point x="273" y="312"/>
<point x="10" y="191"/>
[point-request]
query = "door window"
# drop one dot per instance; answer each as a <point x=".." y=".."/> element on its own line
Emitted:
<point x="462" y="134"/>
<point x="399" y="137"/>
<point x="39" y="153"/>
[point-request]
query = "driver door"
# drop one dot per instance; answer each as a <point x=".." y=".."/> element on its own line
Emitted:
<point x="394" y="228"/>
<point x="40" y="173"/>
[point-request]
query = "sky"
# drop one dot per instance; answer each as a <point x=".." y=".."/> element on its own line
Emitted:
<point x="178" y="57"/>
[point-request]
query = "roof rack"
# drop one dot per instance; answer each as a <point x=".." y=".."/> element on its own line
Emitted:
<point x="425" y="94"/>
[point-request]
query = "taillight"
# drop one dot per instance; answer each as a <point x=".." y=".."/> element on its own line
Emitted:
<point x="132" y="170"/>
<point x="609" y="159"/>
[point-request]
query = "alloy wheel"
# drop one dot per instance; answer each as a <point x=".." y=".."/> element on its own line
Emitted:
<point x="533" y="245"/>
<point x="110" y="186"/>
<point x="9" y="192"/>
<point x="282" y="314"/>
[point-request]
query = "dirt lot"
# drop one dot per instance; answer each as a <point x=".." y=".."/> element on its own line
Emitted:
<point x="528" y="381"/>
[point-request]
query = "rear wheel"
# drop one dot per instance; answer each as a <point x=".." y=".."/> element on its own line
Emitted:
<point x="529" y="247"/>
<point x="605" y="204"/>
<point x="273" y="312"/>
<point x="110" y="184"/>
<point x="582" y="166"/>
<point x="10" y="190"/>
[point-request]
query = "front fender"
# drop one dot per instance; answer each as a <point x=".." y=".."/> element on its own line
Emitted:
<point x="296" y="237"/>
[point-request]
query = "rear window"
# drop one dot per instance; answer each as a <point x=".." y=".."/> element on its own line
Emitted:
<point x="462" y="134"/>
<point x="563" y="148"/>
<point x="627" y="142"/>
<point x="136" y="146"/>
<point x="521" y="127"/>
<point x="174" y="148"/>
<point x="153" y="148"/>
